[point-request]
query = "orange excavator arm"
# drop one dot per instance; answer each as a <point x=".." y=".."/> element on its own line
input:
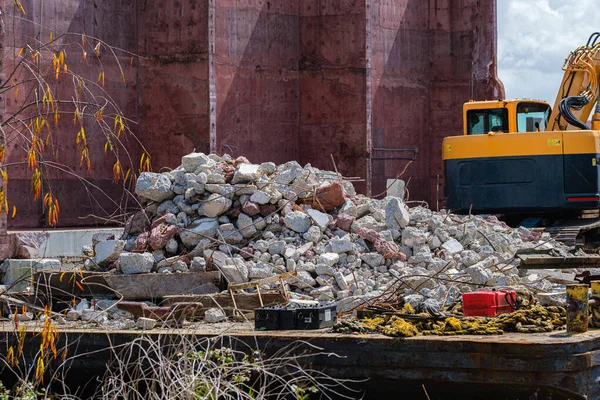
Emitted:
<point x="579" y="90"/>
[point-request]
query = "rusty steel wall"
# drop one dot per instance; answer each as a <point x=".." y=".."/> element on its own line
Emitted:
<point x="333" y="108"/>
<point x="257" y="81"/>
<point x="97" y="195"/>
<point x="173" y="108"/>
<point x="276" y="80"/>
<point x="428" y="59"/>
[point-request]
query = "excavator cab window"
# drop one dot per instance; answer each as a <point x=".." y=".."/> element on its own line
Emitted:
<point x="532" y="117"/>
<point x="482" y="121"/>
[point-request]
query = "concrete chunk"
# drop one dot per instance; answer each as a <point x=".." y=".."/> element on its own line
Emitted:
<point x="329" y="259"/>
<point x="552" y="299"/>
<point x="108" y="251"/>
<point x="260" y="197"/>
<point x="395" y="188"/>
<point x="145" y="323"/>
<point x="321" y="219"/>
<point x="136" y="263"/>
<point x="153" y="186"/>
<point x="245" y="173"/>
<point x="396" y="214"/>
<point x="214" y="315"/>
<point x="341" y="245"/>
<point x="297" y="221"/>
<point x="193" y="161"/>
<point x="198" y="230"/>
<point x="214" y="206"/>
<point x="452" y="246"/>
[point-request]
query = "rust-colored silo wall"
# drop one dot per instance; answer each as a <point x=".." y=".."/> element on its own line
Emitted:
<point x="257" y="51"/>
<point x="428" y="58"/>
<point x="374" y="83"/>
<point x="81" y="192"/>
<point x="173" y="85"/>
<point x="333" y="107"/>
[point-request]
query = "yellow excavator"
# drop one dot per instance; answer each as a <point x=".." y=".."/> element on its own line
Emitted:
<point x="530" y="163"/>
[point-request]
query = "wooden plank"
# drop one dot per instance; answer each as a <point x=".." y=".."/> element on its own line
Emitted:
<point x="244" y="301"/>
<point x="156" y="286"/>
<point x="542" y="261"/>
<point x="65" y="284"/>
<point x="260" y="282"/>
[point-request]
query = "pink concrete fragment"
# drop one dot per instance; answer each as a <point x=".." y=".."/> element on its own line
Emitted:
<point x="228" y="171"/>
<point x="247" y="252"/>
<point x="389" y="250"/>
<point x="250" y="208"/>
<point x="240" y="160"/>
<point x="160" y="235"/>
<point x="344" y="221"/>
<point x="234" y="212"/>
<point x="141" y="243"/>
<point x="137" y="223"/>
<point x="267" y="209"/>
<point x="330" y="196"/>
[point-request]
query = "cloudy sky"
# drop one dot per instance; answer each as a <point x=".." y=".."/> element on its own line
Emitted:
<point x="534" y="38"/>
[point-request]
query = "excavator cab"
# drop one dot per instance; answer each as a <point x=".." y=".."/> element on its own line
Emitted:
<point x="504" y="116"/>
<point x="507" y="162"/>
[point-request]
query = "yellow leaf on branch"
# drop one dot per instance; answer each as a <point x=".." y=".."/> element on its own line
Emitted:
<point x="36" y="184"/>
<point x="20" y="6"/>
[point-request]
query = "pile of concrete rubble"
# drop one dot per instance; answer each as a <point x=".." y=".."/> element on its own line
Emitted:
<point x="253" y="221"/>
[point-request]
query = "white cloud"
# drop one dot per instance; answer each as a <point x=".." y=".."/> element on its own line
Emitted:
<point x="535" y="37"/>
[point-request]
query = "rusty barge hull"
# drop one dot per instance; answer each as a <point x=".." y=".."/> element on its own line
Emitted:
<point x="553" y="365"/>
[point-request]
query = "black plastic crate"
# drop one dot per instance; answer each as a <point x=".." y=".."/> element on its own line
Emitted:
<point x="287" y="319"/>
<point x="266" y="318"/>
<point x="316" y="317"/>
<point x="291" y="318"/>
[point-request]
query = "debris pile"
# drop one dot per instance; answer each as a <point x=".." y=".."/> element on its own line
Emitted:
<point x="252" y="221"/>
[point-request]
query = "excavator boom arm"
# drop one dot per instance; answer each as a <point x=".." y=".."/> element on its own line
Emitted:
<point x="579" y="89"/>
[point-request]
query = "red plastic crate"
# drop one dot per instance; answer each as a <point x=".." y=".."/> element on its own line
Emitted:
<point x="486" y="303"/>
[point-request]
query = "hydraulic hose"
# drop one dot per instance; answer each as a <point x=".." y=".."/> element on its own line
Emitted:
<point x="593" y="38"/>
<point x="576" y="102"/>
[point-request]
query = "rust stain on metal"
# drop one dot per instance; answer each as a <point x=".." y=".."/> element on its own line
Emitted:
<point x="577" y="308"/>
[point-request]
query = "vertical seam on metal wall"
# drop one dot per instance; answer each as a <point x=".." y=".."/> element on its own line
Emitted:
<point x="212" y="87"/>
<point x="368" y="94"/>
<point x="299" y="85"/>
<point x="430" y="34"/>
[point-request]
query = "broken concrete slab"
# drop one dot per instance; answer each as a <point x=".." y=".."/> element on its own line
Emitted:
<point x="17" y="273"/>
<point x="145" y="323"/>
<point x="395" y="188"/>
<point x="136" y="263"/>
<point x="108" y="252"/>
<point x="214" y="315"/>
<point x="71" y="283"/>
<point x="153" y="186"/>
<point x="297" y="221"/>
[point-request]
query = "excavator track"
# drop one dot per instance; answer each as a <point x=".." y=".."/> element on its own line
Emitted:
<point x="573" y="232"/>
